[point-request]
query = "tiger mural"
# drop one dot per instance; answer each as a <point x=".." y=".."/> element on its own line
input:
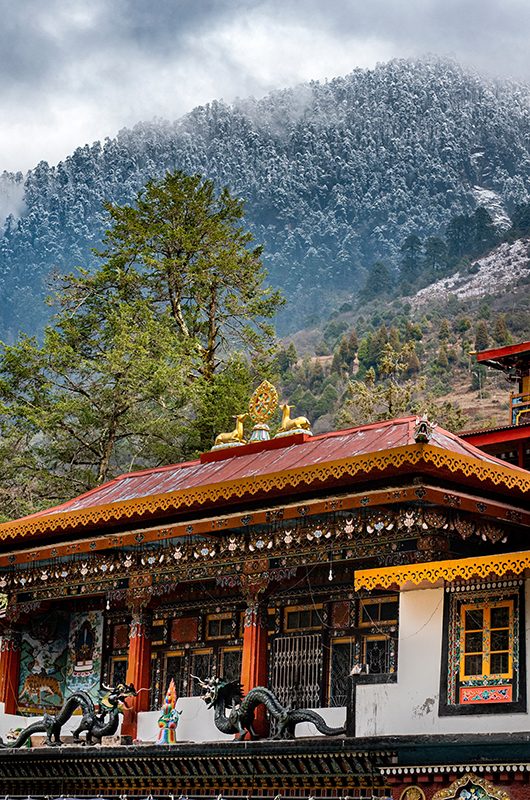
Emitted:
<point x="35" y="685"/>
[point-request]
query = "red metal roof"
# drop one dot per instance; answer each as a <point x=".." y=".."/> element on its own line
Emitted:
<point x="502" y="437"/>
<point x="266" y="458"/>
<point x="513" y="356"/>
<point x="280" y="467"/>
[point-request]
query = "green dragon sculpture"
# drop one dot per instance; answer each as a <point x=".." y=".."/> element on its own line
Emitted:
<point x="235" y="713"/>
<point x="95" y="725"/>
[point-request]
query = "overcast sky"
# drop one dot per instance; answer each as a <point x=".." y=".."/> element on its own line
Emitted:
<point x="72" y="71"/>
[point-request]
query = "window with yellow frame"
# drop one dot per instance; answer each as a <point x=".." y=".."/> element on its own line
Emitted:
<point x="486" y="640"/>
<point x="220" y="626"/>
<point x="378" y="611"/>
<point x="483" y="650"/>
<point x="303" y="618"/>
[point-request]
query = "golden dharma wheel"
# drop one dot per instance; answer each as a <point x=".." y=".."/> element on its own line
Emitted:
<point x="263" y="403"/>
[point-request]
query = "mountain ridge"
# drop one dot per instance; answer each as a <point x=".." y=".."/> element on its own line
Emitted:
<point x="335" y="176"/>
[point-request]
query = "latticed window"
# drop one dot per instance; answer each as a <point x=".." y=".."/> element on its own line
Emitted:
<point x="231" y="663"/>
<point x="482" y="667"/>
<point x="174" y="669"/>
<point x="295" y="670"/>
<point x="303" y="618"/>
<point x="118" y="671"/>
<point x="202" y="664"/>
<point x="377" y="654"/>
<point x="486" y="640"/>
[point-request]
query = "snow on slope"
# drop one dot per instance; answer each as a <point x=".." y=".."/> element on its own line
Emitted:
<point x="491" y="274"/>
<point x="492" y="202"/>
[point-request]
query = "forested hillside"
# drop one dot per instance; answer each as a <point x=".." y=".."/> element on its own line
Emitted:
<point x="336" y="176"/>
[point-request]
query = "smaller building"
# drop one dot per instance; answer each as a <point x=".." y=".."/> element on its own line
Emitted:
<point x="510" y="442"/>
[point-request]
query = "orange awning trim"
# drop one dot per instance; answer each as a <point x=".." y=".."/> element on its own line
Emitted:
<point x="450" y="570"/>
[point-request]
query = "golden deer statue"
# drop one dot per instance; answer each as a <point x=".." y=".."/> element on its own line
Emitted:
<point x="289" y="424"/>
<point x="233" y="437"/>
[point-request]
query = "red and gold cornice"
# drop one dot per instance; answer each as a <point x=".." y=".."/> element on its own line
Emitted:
<point x="212" y="526"/>
<point x="427" y="457"/>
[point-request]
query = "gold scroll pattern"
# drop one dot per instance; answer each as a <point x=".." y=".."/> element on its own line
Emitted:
<point x="450" y="570"/>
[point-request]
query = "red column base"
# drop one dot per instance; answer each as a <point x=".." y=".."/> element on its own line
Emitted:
<point x="138" y="673"/>
<point x="254" y="661"/>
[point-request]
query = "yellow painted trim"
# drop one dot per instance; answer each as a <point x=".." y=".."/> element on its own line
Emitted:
<point x="486" y="630"/>
<point x="377" y="601"/>
<point x="450" y="570"/>
<point x="293" y="609"/>
<point x="411" y="455"/>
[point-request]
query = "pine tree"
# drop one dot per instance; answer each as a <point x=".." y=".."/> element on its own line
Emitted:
<point x="435" y="254"/>
<point x="501" y="334"/>
<point x="445" y="331"/>
<point x="442" y="358"/>
<point x="184" y="245"/>
<point x="411" y="259"/>
<point x="485" y="234"/>
<point x="378" y="281"/>
<point x="521" y="220"/>
<point x="482" y="337"/>
<point x="139" y="347"/>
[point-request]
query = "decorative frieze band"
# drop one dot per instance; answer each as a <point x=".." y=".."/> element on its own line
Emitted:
<point x="362" y="533"/>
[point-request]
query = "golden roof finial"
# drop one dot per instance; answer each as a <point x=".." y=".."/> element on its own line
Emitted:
<point x="262" y="406"/>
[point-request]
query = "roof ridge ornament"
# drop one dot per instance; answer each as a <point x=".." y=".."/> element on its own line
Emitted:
<point x="233" y="438"/>
<point x="290" y="425"/>
<point x="261" y="408"/>
<point x="423" y="430"/>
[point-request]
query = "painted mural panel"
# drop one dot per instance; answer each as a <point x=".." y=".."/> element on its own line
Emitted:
<point x="44" y="650"/>
<point x="83" y="671"/>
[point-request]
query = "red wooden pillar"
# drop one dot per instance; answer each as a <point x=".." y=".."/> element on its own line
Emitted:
<point x="138" y="670"/>
<point x="254" y="657"/>
<point x="10" y="670"/>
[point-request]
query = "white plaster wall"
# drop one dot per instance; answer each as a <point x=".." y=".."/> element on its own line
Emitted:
<point x="195" y="725"/>
<point x="9" y="721"/>
<point x="410" y="706"/>
<point x="334" y="717"/>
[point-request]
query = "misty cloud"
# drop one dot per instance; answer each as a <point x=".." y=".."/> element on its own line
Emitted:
<point x="72" y="71"/>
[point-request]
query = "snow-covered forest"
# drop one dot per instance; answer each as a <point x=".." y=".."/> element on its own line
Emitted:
<point x="335" y="176"/>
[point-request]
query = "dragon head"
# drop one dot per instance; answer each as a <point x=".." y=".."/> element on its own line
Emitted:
<point x="115" y="696"/>
<point x="217" y="690"/>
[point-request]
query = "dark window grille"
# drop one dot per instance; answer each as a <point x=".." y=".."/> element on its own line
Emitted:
<point x="342" y="660"/>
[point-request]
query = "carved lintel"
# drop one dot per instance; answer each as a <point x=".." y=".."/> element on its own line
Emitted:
<point x="140" y="624"/>
<point x="254" y="579"/>
<point x="432" y="544"/>
<point x="255" y="615"/>
<point x="140" y="592"/>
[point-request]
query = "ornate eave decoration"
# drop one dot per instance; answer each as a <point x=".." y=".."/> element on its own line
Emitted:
<point x="343" y="534"/>
<point x="250" y="486"/>
<point x="217" y="768"/>
<point x="450" y="570"/>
